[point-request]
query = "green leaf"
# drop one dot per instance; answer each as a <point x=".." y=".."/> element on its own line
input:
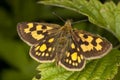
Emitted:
<point x="117" y="20"/>
<point x="104" y="15"/>
<point x="101" y="69"/>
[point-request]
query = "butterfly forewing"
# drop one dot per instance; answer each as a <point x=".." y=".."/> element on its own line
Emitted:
<point x="33" y="33"/>
<point x="92" y="46"/>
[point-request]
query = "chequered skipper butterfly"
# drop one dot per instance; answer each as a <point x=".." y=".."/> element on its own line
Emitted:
<point x="69" y="47"/>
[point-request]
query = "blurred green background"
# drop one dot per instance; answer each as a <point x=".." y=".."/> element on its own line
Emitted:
<point x="15" y="62"/>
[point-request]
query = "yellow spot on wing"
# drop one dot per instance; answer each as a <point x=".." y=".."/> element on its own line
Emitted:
<point x="43" y="54"/>
<point x="44" y="30"/>
<point x="43" y="47"/>
<point x="68" y="54"/>
<point x="73" y="64"/>
<point x="87" y="47"/>
<point x="89" y="39"/>
<point x="47" y="54"/>
<point x="81" y="56"/>
<point x="66" y="60"/>
<point x="51" y="40"/>
<point x="49" y="49"/>
<point x="53" y="48"/>
<point x="76" y="64"/>
<point x="98" y="46"/>
<point x="84" y="47"/>
<point x="39" y="27"/>
<point x="37" y="53"/>
<point x="78" y="49"/>
<point x="98" y="40"/>
<point x="37" y="48"/>
<point x="81" y="35"/>
<point x="72" y="45"/>
<point x="74" y="56"/>
<point x="70" y="61"/>
<point x="37" y="36"/>
<point x="49" y="28"/>
<point x="79" y="60"/>
<point x="27" y="30"/>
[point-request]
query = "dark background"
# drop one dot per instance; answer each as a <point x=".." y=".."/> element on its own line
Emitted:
<point x="15" y="62"/>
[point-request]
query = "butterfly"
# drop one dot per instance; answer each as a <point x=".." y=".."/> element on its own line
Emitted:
<point x="64" y="45"/>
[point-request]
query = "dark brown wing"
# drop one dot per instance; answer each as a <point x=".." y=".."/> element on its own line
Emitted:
<point x="72" y="59"/>
<point x="33" y="33"/>
<point x="91" y="46"/>
<point x="46" y="50"/>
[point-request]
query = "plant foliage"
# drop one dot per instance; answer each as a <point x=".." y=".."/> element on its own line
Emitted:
<point x="105" y="15"/>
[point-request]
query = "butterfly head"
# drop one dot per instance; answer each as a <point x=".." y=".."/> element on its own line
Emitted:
<point x="67" y="26"/>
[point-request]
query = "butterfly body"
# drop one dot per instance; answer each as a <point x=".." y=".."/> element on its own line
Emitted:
<point x="67" y="47"/>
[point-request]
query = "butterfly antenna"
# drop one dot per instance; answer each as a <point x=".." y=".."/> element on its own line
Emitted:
<point x="80" y="21"/>
<point x="59" y="17"/>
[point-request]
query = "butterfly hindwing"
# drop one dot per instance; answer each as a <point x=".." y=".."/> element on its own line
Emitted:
<point x="72" y="59"/>
<point x="45" y="50"/>
<point x="92" y="46"/>
<point x="33" y="33"/>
